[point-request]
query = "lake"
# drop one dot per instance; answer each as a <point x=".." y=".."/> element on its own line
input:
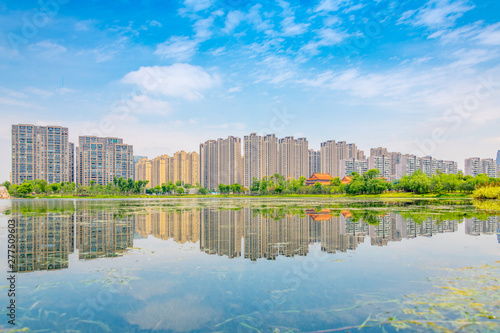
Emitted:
<point x="252" y="265"/>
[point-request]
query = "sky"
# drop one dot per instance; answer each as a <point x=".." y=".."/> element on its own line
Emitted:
<point x="419" y="77"/>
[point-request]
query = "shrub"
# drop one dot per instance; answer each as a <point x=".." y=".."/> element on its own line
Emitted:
<point x="491" y="192"/>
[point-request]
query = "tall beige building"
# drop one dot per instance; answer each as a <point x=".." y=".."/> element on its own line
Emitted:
<point x="333" y="153"/>
<point x="143" y="171"/>
<point x="41" y="152"/>
<point x="269" y="155"/>
<point x="293" y="159"/>
<point x="221" y="162"/>
<point x="260" y="157"/>
<point x="252" y="158"/>
<point x="160" y="170"/>
<point x="102" y="159"/>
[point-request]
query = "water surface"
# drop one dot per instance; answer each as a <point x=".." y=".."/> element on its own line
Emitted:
<point x="249" y="265"/>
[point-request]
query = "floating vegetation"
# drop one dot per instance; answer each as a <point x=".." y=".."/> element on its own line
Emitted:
<point x="469" y="300"/>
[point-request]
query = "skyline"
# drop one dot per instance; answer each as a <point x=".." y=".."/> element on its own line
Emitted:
<point x="46" y="153"/>
<point x="240" y="67"/>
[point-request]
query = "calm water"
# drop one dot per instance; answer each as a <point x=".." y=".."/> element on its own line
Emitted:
<point x="250" y="265"/>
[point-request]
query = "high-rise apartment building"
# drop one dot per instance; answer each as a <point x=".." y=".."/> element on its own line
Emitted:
<point x="293" y="157"/>
<point x="394" y="157"/>
<point x="137" y="158"/>
<point x="314" y="161"/>
<point x="102" y="159"/>
<point x="71" y="162"/>
<point x="428" y="165"/>
<point x="221" y="162"/>
<point x="498" y="157"/>
<point x="160" y="170"/>
<point x="41" y="152"/>
<point x="260" y="157"/>
<point x="381" y="163"/>
<point x="253" y="145"/>
<point x="269" y="155"/>
<point x="473" y="166"/>
<point x="489" y="167"/>
<point x="332" y="153"/>
<point x="143" y="171"/>
<point x="379" y="152"/>
<point x="407" y="166"/>
<point x="347" y="167"/>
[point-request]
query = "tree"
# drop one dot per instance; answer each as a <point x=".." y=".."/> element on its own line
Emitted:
<point x="335" y="181"/>
<point x="255" y="186"/>
<point x="236" y="188"/>
<point x="317" y="187"/>
<point x="55" y="187"/>
<point x="371" y="174"/>
<point x="420" y="183"/>
<point x="24" y="189"/>
<point x="179" y="190"/>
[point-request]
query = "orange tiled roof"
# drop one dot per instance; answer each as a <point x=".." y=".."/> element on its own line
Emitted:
<point x="346" y="180"/>
<point x="320" y="176"/>
<point x="323" y="215"/>
<point x="346" y="213"/>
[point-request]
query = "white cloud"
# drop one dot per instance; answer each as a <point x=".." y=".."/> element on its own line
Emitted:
<point x="13" y="102"/>
<point x="436" y="14"/>
<point x="179" y="80"/>
<point x="202" y="28"/>
<point x="143" y="104"/>
<point x="234" y="89"/>
<point x="154" y="23"/>
<point x="290" y="28"/>
<point x="40" y="92"/>
<point x="85" y="25"/>
<point x="47" y="48"/>
<point x="197" y="5"/>
<point x="179" y="48"/>
<point x="233" y="19"/>
<point x="325" y="37"/>
<point x="330" y="5"/>
<point x="490" y="35"/>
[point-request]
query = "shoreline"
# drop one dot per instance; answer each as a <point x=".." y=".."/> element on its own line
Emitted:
<point x="271" y="196"/>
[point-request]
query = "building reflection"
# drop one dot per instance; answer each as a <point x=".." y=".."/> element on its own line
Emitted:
<point x="43" y="241"/>
<point x="102" y="234"/>
<point x="47" y="232"/>
<point x="181" y="226"/>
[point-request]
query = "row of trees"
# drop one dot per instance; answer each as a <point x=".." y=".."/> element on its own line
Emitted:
<point x="371" y="183"/>
<point x="368" y="183"/>
<point x="120" y="186"/>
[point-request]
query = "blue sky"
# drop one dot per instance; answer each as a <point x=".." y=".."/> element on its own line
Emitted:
<point x="413" y="76"/>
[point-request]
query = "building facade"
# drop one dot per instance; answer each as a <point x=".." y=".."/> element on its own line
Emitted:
<point x="314" y="161"/>
<point x="347" y="167"/>
<point x="332" y="154"/>
<point x="382" y="164"/>
<point x="143" y="171"/>
<point x="183" y="167"/>
<point x="41" y="152"/>
<point x="253" y="161"/>
<point x="293" y="161"/>
<point x="137" y="158"/>
<point x="102" y="159"/>
<point x="221" y="162"/>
